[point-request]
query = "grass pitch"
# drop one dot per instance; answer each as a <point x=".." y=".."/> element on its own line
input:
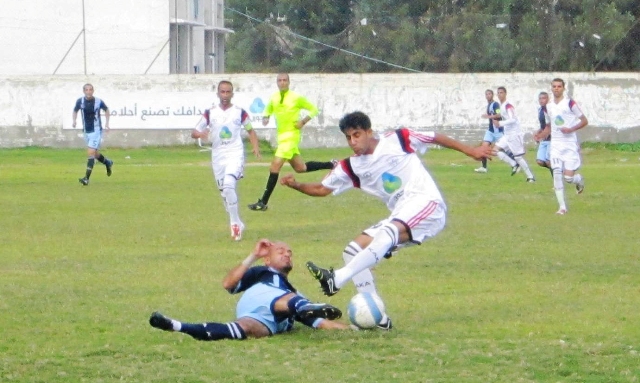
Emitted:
<point x="508" y="292"/>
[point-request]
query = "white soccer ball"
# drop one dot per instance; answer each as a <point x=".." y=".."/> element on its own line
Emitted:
<point x="366" y="310"/>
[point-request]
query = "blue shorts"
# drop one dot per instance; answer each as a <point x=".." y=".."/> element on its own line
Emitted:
<point x="492" y="137"/>
<point x="257" y="303"/>
<point x="93" y="139"/>
<point x="544" y="149"/>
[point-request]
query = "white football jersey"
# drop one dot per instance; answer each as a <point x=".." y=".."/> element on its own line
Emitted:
<point x="225" y="129"/>
<point x="564" y="114"/>
<point x="509" y="121"/>
<point x="394" y="170"/>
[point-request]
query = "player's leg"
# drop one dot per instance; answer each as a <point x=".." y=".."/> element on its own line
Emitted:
<point x="93" y="143"/>
<point x="300" y="166"/>
<point x="542" y="156"/>
<point x="398" y="229"/>
<point x="558" y="184"/>
<point x="502" y="145"/>
<point x="572" y="163"/>
<point x="294" y="304"/>
<point x="274" y="172"/>
<point x="203" y="331"/>
<point x="227" y="173"/>
<point x="363" y="280"/>
<point x="488" y="139"/>
<point x="516" y="145"/>
<point x="105" y="161"/>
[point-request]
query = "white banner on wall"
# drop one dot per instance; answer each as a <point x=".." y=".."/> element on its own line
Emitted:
<point x="166" y="110"/>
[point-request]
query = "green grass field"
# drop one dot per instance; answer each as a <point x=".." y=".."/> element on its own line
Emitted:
<point x="508" y="292"/>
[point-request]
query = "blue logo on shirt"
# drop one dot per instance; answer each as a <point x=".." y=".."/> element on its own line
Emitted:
<point x="390" y="183"/>
<point x="225" y="133"/>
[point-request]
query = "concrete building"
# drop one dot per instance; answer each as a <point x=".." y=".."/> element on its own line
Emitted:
<point x="125" y="37"/>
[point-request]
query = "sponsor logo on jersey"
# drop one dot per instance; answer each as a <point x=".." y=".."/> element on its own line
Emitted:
<point x="390" y="183"/>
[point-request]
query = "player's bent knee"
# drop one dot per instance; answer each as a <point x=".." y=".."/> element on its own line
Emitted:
<point x="568" y="179"/>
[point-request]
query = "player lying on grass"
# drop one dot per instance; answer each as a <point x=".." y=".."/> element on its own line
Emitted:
<point x="390" y="169"/>
<point x="269" y="305"/>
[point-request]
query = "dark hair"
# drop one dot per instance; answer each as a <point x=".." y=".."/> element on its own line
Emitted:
<point x="503" y="88"/>
<point x="557" y="79"/>
<point x="86" y="85"/>
<point x="225" y="82"/>
<point x="488" y="90"/>
<point x="543" y="94"/>
<point x="355" y="120"/>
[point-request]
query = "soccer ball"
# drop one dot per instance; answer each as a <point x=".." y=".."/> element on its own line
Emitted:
<point x="365" y="310"/>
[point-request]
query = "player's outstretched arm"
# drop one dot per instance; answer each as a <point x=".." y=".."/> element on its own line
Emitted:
<point x="332" y="325"/>
<point x="475" y="152"/>
<point x="314" y="189"/>
<point x="260" y="250"/>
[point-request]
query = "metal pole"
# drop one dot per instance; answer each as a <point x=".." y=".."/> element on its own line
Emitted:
<point x="84" y="39"/>
<point x="66" y="54"/>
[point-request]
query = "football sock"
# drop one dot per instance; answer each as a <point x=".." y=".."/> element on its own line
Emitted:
<point x="504" y="157"/>
<point x="230" y="198"/>
<point x="271" y="184"/>
<point x="90" y="162"/>
<point x="484" y="163"/>
<point x="312" y="166"/>
<point x="577" y="179"/>
<point x="213" y="331"/>
<point x="102" y="159"/>
<point x="296" y="302"/>
<point x="558" y="185"/>
<point x="363" y="280"/>
<point x="523" y="164"/>
<point x="383" y="240"/>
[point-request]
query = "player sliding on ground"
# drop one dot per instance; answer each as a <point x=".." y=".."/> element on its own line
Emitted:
<point x="390" y="169"/>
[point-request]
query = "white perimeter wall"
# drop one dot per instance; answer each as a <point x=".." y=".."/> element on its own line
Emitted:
<point x="122" y="36"/>
<point x="32" y="110"/>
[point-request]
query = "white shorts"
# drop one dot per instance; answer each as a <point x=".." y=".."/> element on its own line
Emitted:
<point x="565" y="155"/>
<point x="513" y="142"/>
<point x="424" y="218"/>
<point x="230" y="166"/>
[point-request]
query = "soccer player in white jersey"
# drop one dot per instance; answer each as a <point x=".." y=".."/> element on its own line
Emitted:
<point x="390" y="169"/>
<point x="223" y="124"/>
<point x="566" y="118"/>
<point x="512" y="139"/>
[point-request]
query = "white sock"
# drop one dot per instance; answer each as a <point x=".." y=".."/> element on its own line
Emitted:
<point x="363" y="280"/>
<point x="384" y="239"/>
<point x="577" y="179"/>
<point x="559" y="187"/>
<point x="504" y="157"/>
<point x="523" y="164"/>
<point x="177" y="326"/>
<point x="230" y="198"/>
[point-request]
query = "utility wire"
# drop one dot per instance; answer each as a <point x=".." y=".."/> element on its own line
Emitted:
<point x="325" y="44"/>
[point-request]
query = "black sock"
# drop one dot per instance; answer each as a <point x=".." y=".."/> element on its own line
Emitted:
<point x="312" y="166"/>
<point x="484" y="163"/>
<point x="102" y="159"/>
<point x="271" y="184"/>
<point x="214" y="331"/>
<point x="296" y="302"/>
<point x="90" y="163"/>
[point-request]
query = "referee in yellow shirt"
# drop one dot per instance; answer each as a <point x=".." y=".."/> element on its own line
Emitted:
<point x="286" y="106"/>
